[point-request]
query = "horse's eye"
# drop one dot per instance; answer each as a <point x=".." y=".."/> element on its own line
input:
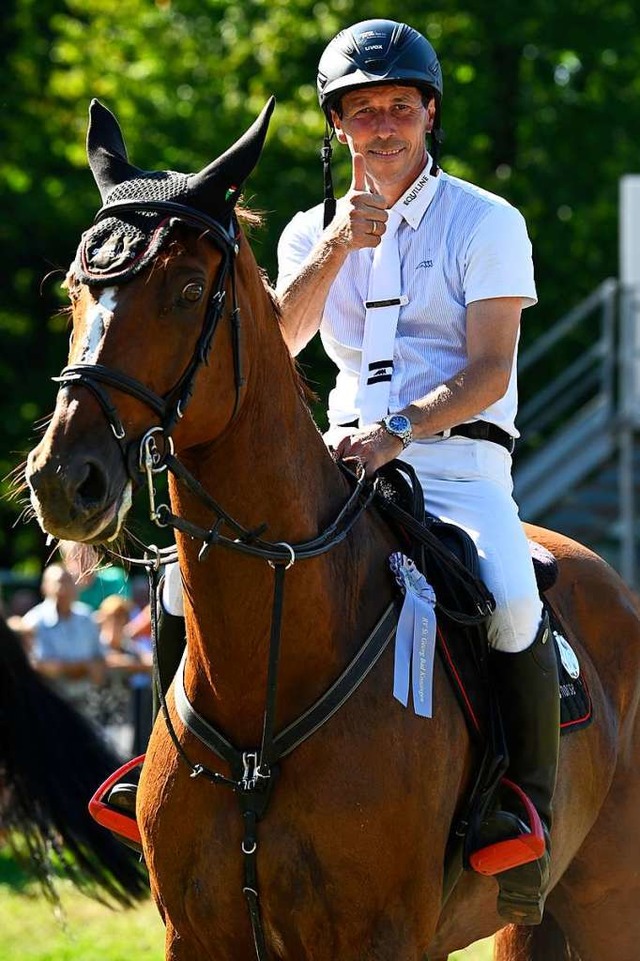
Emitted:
<point x="193" y="292"/>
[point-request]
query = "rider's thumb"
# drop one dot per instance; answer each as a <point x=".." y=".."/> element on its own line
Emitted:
<point x="358" y="181"/>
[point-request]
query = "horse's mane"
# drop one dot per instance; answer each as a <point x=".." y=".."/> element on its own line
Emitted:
<point x="250" y="219"/>
<point x="308" y="395"/>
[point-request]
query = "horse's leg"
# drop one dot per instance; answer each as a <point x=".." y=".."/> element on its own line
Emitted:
<point x="596" y="901"/>
<point x="177" y="948"/>
<point x="593" y="911"/>
<point x="543" y="942"/>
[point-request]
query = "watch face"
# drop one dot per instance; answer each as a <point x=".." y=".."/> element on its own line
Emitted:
<point x="398" y="422"/>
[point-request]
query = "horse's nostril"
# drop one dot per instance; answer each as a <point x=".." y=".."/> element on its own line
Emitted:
<point x="93" y="487"/>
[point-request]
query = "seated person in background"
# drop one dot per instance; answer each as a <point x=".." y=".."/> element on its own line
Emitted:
<point x="66" y="645"/>
<point x="128" y="655"/>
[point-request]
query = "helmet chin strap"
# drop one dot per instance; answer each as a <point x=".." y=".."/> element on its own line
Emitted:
<point x="436" y="139"/>
<point x="325" y="155"/>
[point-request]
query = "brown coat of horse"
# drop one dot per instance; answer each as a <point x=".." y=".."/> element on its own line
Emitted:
<point x="351" y="850"/>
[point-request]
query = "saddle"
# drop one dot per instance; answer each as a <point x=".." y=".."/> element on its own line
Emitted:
<point x="448" y="558"/>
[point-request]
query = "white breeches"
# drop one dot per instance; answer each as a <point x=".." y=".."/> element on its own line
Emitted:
<point x="468" y="482"/>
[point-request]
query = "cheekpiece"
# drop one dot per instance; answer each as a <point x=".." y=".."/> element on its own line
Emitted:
<point x="117" y="248"/>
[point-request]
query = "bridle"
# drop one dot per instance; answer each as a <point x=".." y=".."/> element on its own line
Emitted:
<point x="169" y="407"/>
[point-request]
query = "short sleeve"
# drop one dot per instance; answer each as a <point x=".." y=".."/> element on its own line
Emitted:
<point x="498" y="260"/>
<point x="31" y="619"/>
<point x="297" y="240"/>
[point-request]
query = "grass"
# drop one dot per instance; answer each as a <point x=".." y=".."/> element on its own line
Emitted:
<point x="88" y="931"/>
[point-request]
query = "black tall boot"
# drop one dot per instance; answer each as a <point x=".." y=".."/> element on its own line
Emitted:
<point x="170" y="648"/>
<point x="526" y="686"/>
<point x="170" y="645"/>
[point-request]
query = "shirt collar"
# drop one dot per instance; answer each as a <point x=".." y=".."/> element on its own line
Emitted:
<point x="415" y="200"/>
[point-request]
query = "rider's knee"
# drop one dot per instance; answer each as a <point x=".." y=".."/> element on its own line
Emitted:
<point x="172" y="599"/>
<point x="514" y="625"/>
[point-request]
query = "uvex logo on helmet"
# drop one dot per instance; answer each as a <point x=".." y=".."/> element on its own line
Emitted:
<point x="375" y="52"/>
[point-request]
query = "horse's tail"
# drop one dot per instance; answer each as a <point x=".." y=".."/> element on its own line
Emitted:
<point x="51" y="762"/>
<point x="544" y="942"/>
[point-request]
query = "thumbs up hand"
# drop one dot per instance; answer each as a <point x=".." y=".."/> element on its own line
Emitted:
<point x="362" y="216"/>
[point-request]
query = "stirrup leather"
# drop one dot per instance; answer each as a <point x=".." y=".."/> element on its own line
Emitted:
<point x="108" y="815"/>
<point x="512" y="852"/>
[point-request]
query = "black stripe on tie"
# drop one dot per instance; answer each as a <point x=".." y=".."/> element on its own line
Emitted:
<point x="380" y="370"/>
<point x="392" y="302"/>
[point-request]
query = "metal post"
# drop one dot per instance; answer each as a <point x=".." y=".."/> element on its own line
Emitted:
<point x="627" y="506"/>
<point x="629" y="404"/>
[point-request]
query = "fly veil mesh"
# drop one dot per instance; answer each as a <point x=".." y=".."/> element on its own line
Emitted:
<point x="118" y="247"/>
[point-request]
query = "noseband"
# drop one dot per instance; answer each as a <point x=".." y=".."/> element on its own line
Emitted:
<point x="170" y="406"/>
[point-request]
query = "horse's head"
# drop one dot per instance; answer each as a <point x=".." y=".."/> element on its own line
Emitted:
<point x="151" y="284"/>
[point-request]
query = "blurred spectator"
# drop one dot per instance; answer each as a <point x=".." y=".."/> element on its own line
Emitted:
<point x="21" y="601"/>
<point x="98" y="585"/>
<point x="128" y="656"/>
<point x="66" y="645"/>
<point x="142" y="684"/>
<point x="94" y="583"/>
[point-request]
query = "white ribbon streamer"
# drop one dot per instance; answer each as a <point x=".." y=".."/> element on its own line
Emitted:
<point x="415" y="637"/>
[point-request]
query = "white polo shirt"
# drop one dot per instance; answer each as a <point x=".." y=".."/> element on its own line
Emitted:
<point x="457" y="244"/>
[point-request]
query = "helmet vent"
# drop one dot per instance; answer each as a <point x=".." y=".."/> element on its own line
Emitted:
<point x="376" y="65"/>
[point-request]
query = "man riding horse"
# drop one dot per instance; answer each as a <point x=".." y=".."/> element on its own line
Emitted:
<point x="426" y="359"/>
<point x="416" y="281"/>
<point x="287" y="804"/>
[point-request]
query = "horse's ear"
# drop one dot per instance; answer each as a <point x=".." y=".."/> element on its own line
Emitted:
<point x="224" y="177"/>
<point x="106" y="150"/>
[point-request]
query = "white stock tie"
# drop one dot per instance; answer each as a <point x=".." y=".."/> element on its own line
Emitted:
<point x="384" y="299"/>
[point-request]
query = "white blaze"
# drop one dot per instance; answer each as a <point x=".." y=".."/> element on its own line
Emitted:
<point x="99" y="316"/>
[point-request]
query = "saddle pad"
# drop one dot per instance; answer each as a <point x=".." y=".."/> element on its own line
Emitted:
<point x="576" y="709"/>
<point x="467" y="674"/>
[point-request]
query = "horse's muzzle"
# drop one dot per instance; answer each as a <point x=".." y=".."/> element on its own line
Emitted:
<point x="76" y="497"/>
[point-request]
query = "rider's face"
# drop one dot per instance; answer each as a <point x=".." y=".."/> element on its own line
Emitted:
<point x="387" y="125"/>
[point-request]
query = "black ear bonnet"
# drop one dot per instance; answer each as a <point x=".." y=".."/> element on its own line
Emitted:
<point x="123" y="243"/>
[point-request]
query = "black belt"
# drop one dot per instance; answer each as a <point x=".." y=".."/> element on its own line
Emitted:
<point x="482" y="430"/>
<point x="476" y="430"/>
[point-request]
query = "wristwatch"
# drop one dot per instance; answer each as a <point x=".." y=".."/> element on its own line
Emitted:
<point x="399" y="426"/>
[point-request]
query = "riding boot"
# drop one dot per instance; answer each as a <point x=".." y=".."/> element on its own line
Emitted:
<point x="526" y="686"/>
<point x="170" y="646"/>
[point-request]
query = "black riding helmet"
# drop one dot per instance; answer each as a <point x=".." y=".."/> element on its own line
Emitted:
<point x="375" y="52"/>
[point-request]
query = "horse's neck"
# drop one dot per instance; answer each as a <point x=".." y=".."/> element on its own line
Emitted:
<point x="272" y="468"/>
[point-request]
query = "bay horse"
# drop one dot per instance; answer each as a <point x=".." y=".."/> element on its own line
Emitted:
<point x="177" y="360"/>
<point x="50" y="758"/>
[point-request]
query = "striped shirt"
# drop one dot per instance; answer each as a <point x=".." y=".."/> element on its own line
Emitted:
<point x="457" y="244"/>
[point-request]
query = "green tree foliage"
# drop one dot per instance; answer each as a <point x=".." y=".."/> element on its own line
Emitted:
<point x="541" y="105"/>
